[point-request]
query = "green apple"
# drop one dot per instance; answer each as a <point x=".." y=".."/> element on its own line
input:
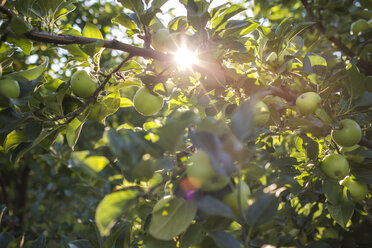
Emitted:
<point x="231" y="199"/>
<point x="160" y="40"/>
<point x="308" y="102"/>
<point x="146" y="103"/>
<point x="335" y="166"/>
<point x="359" y="26"/>
<point x="261" y="113"/>
<point x="202" y="175"/>
<point x="348" y="134"/>
<point x="82" y="84"/>
<point x="358" y="190"/>
<point x="9" y="87"/>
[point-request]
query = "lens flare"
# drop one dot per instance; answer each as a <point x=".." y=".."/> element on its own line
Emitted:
<point x="184" y="58"/>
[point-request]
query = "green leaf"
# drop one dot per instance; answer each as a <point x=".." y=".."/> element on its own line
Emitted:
<point x="90" y="163"/>
<point x="343" y="211"/>
<point x="24" y="44"/>
<point x="226" y="15"/>
<point x="40" y="242"/>
<point x="311" y="147"/>
<point x="284" y="27"/>
<point x="112" y="207"/>
<point x="73" y="130"/>
<point x="14" y="138"/>
<point x="100" y="110"/>
<point x="211" y="206"/>
<point x="125" y="21"/>
<point x="355" y="82"/>
<point x="333" y="191"/>
<point x="297" y="29"/>
<point x="263" y="210"/>
<point x="242" y="121"/>
<point x="123" y="229"/>
<point x="5" y="239"/>
<point x="170" y="217"/>
<point x="30" y="74"/>
<point x="91" y="31"/>
<point x="224" y="240"/>
<point x="193" y="235"/>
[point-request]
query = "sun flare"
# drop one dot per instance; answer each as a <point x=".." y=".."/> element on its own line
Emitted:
<point x="185" y="58"/>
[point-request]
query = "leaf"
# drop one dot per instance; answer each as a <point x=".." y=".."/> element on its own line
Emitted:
<point x="170" y="135"/>
<point x="193" y="235"/>
<point x="284" y="27"/>
<point x="333" y="191"/>
<point x="81" y="243"/>
<point x="263" y="210"/>
<point x="242" y="121"/>
<point x="30" y="74"/>
<point x="100" y="110"/>
<point x="91" y="31"/>
<point x="311" y="147"/>
<point x="40" y="242"/>
<point x="13" y="139"/>
<point x="5" y="239"/>
<point x="314" y="63"/>
<point x="170" y="217"/>
<point x="212" y="206"/>
<point x="112" y="207"/>
<point x="24" y="44"/>
<point x="73" y="130"/>
<point x="125" y="21"/>
<point x="297" y="29"/>
<point x="343" y="211"/>
<point x="123" y="229"/>
<point x="355" y="82"/>
<point x="225" y="15"/>
<point x="224" y="240"/>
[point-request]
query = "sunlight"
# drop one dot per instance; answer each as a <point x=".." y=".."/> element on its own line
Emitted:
<point x="185" y="58"/>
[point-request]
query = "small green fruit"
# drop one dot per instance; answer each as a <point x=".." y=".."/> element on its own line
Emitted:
<point x="308" y="102"/>
<point x="358" y="190"/>
<point x="359" y="26"/>
<point x="9" y="87"/>
<point x="146" y="103"/>
<point x="349" y="133"/>
<point x="82" y="84"/>
<point x="261" y="113"/>
<point x="202" y="175"/>
<point x="231" y="199"/>
<point x="335" y="166"/>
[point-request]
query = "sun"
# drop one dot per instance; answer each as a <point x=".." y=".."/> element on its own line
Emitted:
<point x="185" y="58"/>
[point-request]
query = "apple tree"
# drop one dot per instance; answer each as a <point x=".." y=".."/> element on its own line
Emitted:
<point x="190" y="123"/>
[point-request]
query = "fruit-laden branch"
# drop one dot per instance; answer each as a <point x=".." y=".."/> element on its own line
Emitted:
<point x="93" y="98"/>
<point x="361" y="63"/>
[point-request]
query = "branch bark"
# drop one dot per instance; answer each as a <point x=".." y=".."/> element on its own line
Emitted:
<point x="338" y="43"/>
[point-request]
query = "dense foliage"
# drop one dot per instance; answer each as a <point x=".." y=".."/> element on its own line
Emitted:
<point x="246" y="124"/>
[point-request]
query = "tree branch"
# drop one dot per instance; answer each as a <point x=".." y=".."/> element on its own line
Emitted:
<point x="341" y="46"/>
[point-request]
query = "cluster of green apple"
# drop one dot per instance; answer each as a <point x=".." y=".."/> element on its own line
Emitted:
<point x="202" y="175"/>
<point x="361" y="26"/>
<point x="9" y="87"/>
<point x="348" y="134"/>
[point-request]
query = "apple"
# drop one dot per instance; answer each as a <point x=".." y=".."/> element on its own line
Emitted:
<point x="335" y="166"/>
<point x="82" y="84"/>
<point x="348" y="134"/>
<point x="160" y="40"/>
<point x="359" y="26"/>
<point x="146" y="103"/>
<point x="308" y="102"/>
<point x="202" y="175"/>
<point x="358" y="190"/>
<point x="261" y="113"/>
<point x="9" y="87"/>
<point x="231" y="199"/>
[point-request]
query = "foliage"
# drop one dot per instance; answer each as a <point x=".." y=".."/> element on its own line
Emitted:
<point x="94" y="172"/>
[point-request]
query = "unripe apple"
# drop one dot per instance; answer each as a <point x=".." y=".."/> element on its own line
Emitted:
<point x="9" y="87"/>
<point x="202" y="175"/>
<point x="308" y="102"/>
<point x="335" y="166"/>
<point x="82" y="84"/>
<point x="231" y="199"/>
<point x="359" y="26"/>
<point x="146" y="103"/>
<point x="358" y="190"/>
<point x="261" y="113"/>
<point x="160" y="40"/>
<point x="349" y="133"/>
